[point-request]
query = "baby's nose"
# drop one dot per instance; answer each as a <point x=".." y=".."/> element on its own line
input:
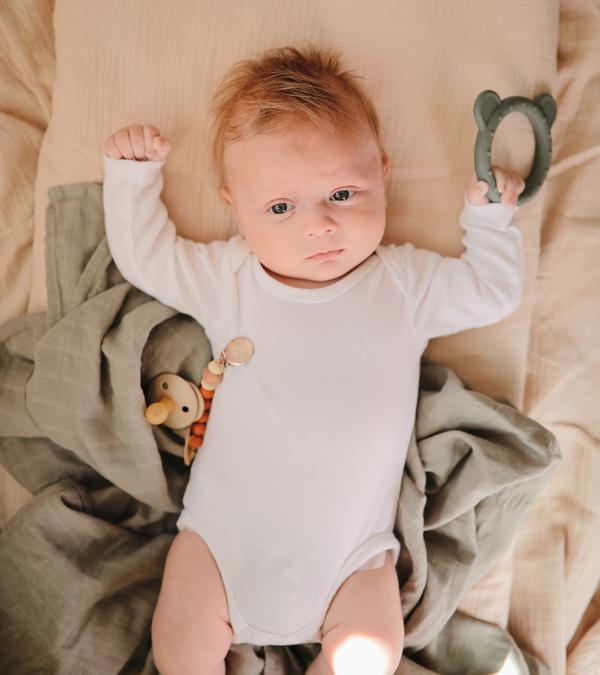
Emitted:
<point x="319" y="226"/>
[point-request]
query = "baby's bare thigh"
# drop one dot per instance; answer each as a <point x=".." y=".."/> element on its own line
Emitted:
<point x="191" y="631"/>
<point x="365" y="615"/>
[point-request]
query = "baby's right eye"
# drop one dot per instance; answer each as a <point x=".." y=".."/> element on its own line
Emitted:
<point x="280" y="208"/>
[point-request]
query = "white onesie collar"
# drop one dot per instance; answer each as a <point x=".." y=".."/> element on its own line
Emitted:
<point x="323" y="294"/>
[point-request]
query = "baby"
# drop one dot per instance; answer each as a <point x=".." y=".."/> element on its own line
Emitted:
<point x="286" y="535"/>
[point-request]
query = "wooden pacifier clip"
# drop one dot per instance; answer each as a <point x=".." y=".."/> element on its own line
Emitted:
<point x="182" y="405"/>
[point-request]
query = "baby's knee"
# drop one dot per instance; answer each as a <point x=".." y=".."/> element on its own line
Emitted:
<point x="356" y="653"/>
<point x="367" y="638"/>
<point x="363" y="630"/>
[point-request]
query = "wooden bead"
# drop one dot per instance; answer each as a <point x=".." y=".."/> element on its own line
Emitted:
<point x="198" y="429"/>
<point x="210" y="380"/>
<point x="215" y="367"/>
<point x="204" y="417"/>
<point x="207" y="393"/>
<point x="207" y="404"/>
<point x="195" y="442"/>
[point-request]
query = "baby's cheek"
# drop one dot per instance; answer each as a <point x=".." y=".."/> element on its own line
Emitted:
<point x="371" y="223"/>
<point x="277" y="247"/>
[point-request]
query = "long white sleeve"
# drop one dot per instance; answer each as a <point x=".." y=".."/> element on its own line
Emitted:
<point x="447" y="295"/>
<point x="183" y="274"/>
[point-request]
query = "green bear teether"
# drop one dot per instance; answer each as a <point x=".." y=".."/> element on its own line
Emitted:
<point x="489" y="110"/>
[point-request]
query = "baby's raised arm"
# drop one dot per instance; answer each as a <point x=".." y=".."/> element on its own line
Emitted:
<point x="141" y="142"/>
<point x="186" y="275"/>
<point x="482" y="286"/>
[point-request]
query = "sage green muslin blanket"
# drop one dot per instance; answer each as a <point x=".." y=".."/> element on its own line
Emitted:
<point x="81" y="564"/>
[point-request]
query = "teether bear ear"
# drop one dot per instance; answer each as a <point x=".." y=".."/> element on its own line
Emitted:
<point x="548" y="105"/>
<point x="484" y="107"/>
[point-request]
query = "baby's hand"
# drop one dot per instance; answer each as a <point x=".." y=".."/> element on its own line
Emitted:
<point x="137" y="141"/>
<point x="509" y="184"/>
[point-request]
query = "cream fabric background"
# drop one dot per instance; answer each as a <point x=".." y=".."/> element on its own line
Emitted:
<point x="26" y="76"/>
<point x="424" y="64"/>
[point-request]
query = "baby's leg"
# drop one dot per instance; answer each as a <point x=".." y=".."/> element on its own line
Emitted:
<point x="363" y="630"/>
<point x="191" y="632"/>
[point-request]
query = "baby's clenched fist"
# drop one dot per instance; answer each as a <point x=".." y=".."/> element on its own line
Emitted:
<point x="137" y="141"/>
<point x="509" y="184"/>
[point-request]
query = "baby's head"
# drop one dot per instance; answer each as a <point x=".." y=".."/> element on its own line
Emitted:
<point x="301" y="164"/>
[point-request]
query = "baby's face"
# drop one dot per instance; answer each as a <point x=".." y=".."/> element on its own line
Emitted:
<point x="299" y="193"/>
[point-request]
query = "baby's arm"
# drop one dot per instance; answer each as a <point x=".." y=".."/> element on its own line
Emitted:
<point x="183" y="274"/>
<point x="485" y="284"/>
<point x="481" y="287"/>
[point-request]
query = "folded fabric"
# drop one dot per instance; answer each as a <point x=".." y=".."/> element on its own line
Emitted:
<point x="81" y="564"/>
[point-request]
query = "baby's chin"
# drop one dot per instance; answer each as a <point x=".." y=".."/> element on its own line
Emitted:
<point x="316" y="274"/>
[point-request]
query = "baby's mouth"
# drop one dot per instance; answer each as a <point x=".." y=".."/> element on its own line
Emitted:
<point x="326" y="255"/>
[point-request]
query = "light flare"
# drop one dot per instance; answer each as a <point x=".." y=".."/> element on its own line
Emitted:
<point x="359" y="654"/>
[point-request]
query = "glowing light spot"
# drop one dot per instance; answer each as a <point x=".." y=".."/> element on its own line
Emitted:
<point x="358" y="655"/>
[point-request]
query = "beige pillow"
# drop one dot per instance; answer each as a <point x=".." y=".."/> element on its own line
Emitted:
<point x="424" y="64"/>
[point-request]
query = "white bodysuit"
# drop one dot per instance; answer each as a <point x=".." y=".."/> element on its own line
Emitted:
<point x="297" y="482"/>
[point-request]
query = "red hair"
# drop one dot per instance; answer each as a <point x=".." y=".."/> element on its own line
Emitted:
<point x="285" y="86"/>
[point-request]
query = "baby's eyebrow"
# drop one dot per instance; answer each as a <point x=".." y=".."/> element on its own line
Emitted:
<point x="361" y="170"/>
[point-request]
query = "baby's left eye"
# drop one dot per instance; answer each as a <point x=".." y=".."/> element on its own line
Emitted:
<point x="341" y="195"/>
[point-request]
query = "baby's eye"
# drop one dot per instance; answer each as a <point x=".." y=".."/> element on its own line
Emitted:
<point x="341" y="195"/>
<point x="280" y="208"/>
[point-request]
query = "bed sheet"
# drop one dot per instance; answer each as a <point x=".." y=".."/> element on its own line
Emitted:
<point x="27" y="69"/>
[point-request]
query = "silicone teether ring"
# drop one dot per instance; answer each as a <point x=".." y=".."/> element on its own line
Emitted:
<point x="489" y="110"/>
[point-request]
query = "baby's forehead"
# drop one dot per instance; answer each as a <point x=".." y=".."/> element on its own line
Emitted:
<point x="322" y="152"/>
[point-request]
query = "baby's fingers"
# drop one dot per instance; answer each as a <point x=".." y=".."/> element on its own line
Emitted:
<point x="136" y="136"/>
<point x="111" y="149"/>
<point x="139" y="142"/>
<point x="123" y="143"/>
<point x="476" y="192"/>
<point x="511" y="191"/>
<point x="509" y="185"/>
<point x="162" y="147"/>
<point x="501" y="178"/>
<point x="520" y="184"/>
<point x="151" y="133"/>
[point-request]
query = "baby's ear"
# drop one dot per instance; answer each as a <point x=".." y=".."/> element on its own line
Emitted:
<point x="385" y="163"/>
<point x="228" y="201"/>
<point x="224" y="192"/>
<point x="225" y="196"/>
